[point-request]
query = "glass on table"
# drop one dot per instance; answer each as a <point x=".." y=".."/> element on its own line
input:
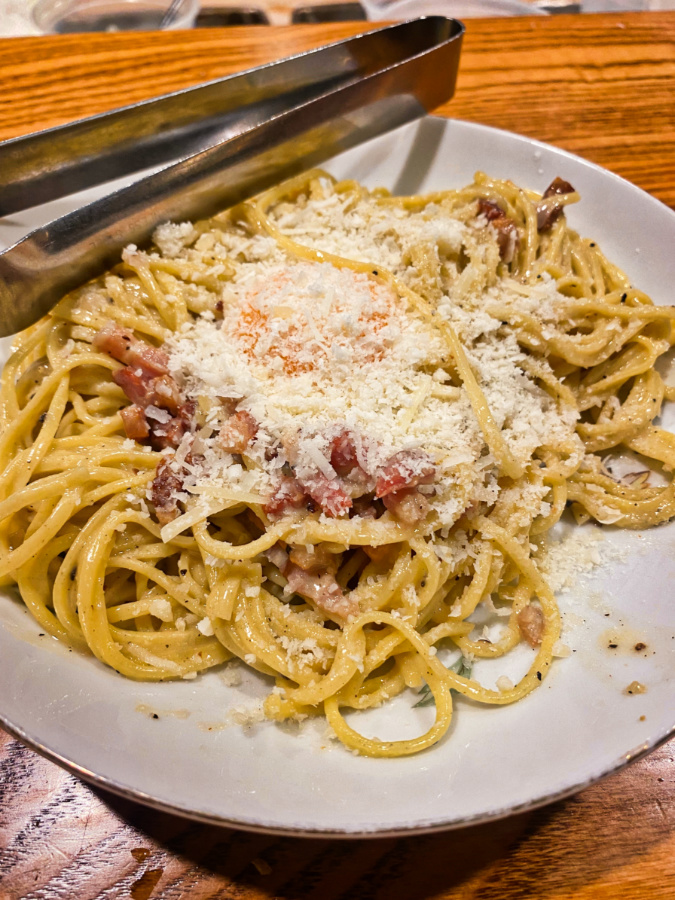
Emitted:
<point x="72" y="16"/>
<point x="593" y="6"/>
<point x="458" y="9"/>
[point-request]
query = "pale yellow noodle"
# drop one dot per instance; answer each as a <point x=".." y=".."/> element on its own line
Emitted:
<point x="89" y="558"/>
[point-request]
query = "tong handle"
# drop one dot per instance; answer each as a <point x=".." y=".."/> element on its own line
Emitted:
<point x="60" y="161"/>
<point x="37" y="271"/>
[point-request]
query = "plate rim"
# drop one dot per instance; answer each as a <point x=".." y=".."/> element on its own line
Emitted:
<point x="428" y="827"/>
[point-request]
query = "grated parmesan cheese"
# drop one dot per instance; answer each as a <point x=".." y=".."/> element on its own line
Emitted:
<point x="247" y="716"/>
<point x="205" y="626"/>
<point x="504" y="683"/>
<point x="561" y="650"/>
<point x="161" y="609"/>
<point x="310" y="348"/>
<point x="231" y="675"/>
<point x="171" y="238"/>
<point x="562" y="562"/>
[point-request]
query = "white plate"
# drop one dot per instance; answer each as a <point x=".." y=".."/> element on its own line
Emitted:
<point x="577" y="727"/>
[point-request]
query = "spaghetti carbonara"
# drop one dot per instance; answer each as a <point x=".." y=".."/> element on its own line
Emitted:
<point x="325" y="433"/>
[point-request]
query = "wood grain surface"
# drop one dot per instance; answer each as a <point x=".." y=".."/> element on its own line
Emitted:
<point x="601" y="86"/>
<point x="60" y="838"/>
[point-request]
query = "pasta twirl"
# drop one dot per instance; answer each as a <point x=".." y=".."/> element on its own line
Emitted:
<point x="323" y="433"/>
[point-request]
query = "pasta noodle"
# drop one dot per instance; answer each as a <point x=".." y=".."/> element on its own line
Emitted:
<point x="327" y="433"/>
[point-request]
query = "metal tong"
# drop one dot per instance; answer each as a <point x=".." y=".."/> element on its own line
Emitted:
<point x="231" y="138"/>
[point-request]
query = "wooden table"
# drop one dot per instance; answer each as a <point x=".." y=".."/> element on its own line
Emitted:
<point x="601" y="86"/>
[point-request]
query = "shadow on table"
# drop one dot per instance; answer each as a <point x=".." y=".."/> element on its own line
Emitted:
<point x="533" y="856"/>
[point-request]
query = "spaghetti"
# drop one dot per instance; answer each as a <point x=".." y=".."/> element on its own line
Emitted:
<point x="323" y="431"/>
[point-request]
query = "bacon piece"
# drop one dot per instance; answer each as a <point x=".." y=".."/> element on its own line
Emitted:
<point x="123" y="345"/>
<point x="548" y="215"/>
<point x="288" y="495"/>
<point x="166" y="484"/>
<point x="409" y="506"/>
<point x="492" y="211"/>
<point x="344" y="459"/>
<point x="292" y="493"/>
<point x="143" y="390"/>
<point x="133" y="385"/>
<point x="531" y="624"/>
<point x="229" y="404"/>
<point x="323" y="591"/>
<point x="558" y="186"/>
<point x="366" y="508"/>
<point x="135" y="424"/>
<point x="329" y="493"/>
<point x="507" y="232"/>
<point x="161" y="392"/>
<point x="343" y="456"/>
<point x="171" y="433"/>
<point x="165" y="393"/>
<point x="405" y="469"/>
<point x="318" y="559"/>
<point x="238" y="432"/>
